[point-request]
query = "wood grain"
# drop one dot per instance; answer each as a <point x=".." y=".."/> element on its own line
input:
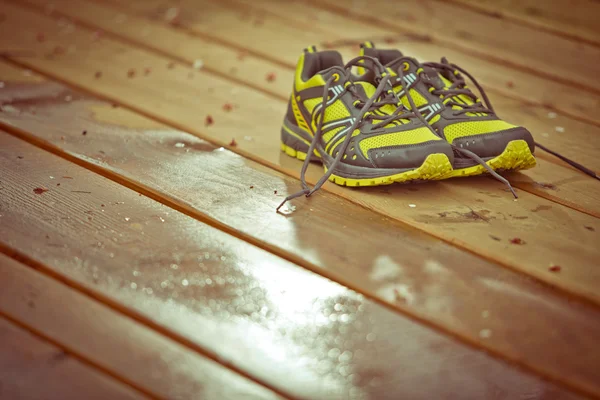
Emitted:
<point x="114" y="343"/>
<point x="300" y="333"/>
<point x="498" y="40"/>
<point x="566" y="240"/>
<point x="575" y="193"/>
<point x="575" y="19"/>
<point x="403" y="269"/>
<point x="276" y="44"/>
<point x="34" y="369"/>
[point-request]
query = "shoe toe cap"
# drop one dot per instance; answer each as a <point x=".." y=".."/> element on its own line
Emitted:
<point x="494" y="143"/>
<point x="409" y="156"/>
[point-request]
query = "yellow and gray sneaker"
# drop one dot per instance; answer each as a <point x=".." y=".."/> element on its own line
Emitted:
<point x="359" y="130"/>
<point x="470" y="125"/>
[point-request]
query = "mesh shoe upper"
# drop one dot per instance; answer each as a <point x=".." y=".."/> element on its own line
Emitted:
<point x="387" y="137"/>
<point x="451" y="108"/>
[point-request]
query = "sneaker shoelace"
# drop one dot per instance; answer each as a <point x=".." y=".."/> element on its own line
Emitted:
<point x="458" y="88"/>
<point x="369" y="109"/>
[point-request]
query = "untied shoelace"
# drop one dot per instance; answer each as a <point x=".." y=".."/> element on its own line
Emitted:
<point x="371" y="104"/>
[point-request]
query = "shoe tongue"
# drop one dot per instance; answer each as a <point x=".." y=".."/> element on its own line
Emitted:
<point x="365" y="89"/>
<point x="384" y="56"/>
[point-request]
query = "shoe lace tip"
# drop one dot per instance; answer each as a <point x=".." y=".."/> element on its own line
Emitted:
<point x="282" y="204"/>
<point x="512" y="190"/>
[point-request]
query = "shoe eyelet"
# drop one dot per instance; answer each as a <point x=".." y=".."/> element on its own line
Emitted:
<point x="405" y="66"/>
<point x="336" y="77"/>
<point x="354" y="157"/>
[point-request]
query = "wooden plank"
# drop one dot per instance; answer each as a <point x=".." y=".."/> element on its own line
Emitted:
<point x="575" y="19"/>
<point x="496" y="77"/>
<point x="574" y="193"/>
<point x="113" y="343"/>
<point x="497" y="40"/>
<point x="161" y="38"/>
<point x="33" y="369"/>
<point x="300" y="333"/>
<point x="573" y="246"/>
<point x="408" y="278"/>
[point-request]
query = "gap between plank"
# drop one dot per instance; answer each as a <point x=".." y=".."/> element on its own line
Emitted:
<point x="341" y="43"/>
<point x="186" y="209"/>
<point x="523" y="22"/>
<point x="203" y="35"/>
<point x="266" y="57"/>
<point x="90" y="363"/>
<point x="147" y="47"/>
<point x="129" y="313"/>
<point x="197" y="215"/>
<point x="449" y="43"/>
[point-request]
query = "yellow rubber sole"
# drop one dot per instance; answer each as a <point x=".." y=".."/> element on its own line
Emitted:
<point x="435" y="167"/>
<point x="516" y="156"/>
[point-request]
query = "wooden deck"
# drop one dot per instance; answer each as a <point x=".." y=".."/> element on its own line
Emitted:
<point x="141" y="255"/>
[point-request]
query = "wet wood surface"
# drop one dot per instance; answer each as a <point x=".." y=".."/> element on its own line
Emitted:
<point x="407" y="278"/>
<point x="550" y="240"/>
<point x="574" y="192"/>
<point x="291" y="330"/>
<point x="117" y="195"/>
<point x="114" y="344"/>
<point x="31" y="368"/>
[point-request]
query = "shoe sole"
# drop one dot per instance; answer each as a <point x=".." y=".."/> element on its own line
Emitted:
<point x="516" y="156"/>
<point x="435" y="167"/>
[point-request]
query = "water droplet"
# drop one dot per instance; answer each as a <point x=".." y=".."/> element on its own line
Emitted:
<point x="207" y="255"/>
<point x="198" y="64"/>
<point x="164" y="284"/>
<point x="208" y="281"/>
<point x="559" y="129"/>
<point x="136" y="273"/>
<point x="174" y="266"/>
<point x="185" y="282"/>
<point x="412" y="205"/>
<point x="485" y="333"/>
<point x="485" y="314"/>
<point x="127" y="218"/>
<point x="180" y="145"/>
<point x="551" y="115"/>
<point x="345" y="357"/>
<point x="133" y="285"/>
<point x="334" y="353"/>
<point x="371" y="337"/>
<point x="248" y="138"/>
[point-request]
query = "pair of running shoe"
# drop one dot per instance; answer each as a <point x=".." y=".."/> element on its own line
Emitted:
<point x="395" y="120"/>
